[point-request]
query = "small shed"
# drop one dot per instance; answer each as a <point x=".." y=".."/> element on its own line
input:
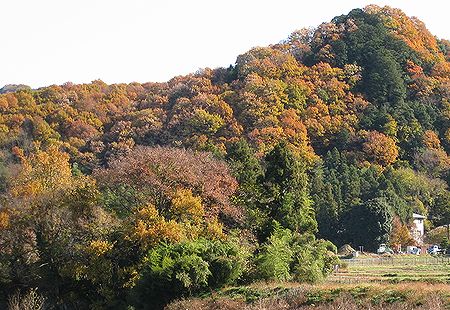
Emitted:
<point x="418" y="229"/>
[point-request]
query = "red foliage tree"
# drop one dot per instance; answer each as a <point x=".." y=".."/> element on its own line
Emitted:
<point x="158" y="172"/>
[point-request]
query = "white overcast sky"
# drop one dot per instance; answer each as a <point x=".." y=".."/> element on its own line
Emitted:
<point x="46" y="42"/>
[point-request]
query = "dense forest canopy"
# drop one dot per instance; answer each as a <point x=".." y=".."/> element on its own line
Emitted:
<point x="128" y="194"/>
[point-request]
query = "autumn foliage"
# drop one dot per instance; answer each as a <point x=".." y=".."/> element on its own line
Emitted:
<point x="115" y="196"/>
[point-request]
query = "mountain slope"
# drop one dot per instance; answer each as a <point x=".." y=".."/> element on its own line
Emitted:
<point x="340" y="132"/>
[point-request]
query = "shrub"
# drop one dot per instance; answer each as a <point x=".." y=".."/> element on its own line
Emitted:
<point x="286" y="255"/>
<point x="174" y="270"/>
<point x="314" y="260"/>
<point x="275" y="257"/>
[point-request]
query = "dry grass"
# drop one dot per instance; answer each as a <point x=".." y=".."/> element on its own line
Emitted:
<point x="344" y="302"/>
<point x="31" y="300"/>
<point x="197" y="304"/>
<point x="348" y="302"/>
<point x="420" y="288"/>
<point x="404" y="296"/>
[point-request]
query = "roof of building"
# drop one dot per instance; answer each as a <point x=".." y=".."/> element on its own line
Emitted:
<point x="418" y="216"/>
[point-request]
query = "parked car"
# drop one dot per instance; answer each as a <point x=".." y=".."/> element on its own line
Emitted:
<point x="434" y="249"/>
<point x="384" y="249"/>
<point x="413" y="250"/>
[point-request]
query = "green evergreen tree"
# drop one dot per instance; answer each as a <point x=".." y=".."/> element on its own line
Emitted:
<point x="369" y="224"/>
<point x="246" y="167"/>
<point x="286" y="190"/>
<point x="440" y="211"/>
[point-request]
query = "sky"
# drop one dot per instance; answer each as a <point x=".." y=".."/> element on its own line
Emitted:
<point x="49" y="42"/>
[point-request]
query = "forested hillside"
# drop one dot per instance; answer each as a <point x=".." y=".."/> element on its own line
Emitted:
<point x="135" y="194"/>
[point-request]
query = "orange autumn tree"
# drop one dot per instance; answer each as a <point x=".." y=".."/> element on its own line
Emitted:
<point x="432" y="159"/>
<point x="379" y="148"/>
<point x="42" y="173"/>
<point x="149" y="228"/>
<point x="400" y="235"/>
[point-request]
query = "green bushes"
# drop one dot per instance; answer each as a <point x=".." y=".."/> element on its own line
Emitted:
<point x="276" y="256"/>
<point x="286" y="255"/>
<point x="194" y="267"/>
<point x="173" y="270"/>
<point x="314" y="261"/>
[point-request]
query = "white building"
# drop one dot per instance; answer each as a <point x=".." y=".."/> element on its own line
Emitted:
<point x="418" y="230"/>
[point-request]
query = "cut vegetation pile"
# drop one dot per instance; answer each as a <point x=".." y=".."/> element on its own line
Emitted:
<point x="346" y="250"/>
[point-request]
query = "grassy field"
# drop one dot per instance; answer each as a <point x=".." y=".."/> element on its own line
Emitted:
<point x="394" y="270"/>
<point x="397" y="283"/>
